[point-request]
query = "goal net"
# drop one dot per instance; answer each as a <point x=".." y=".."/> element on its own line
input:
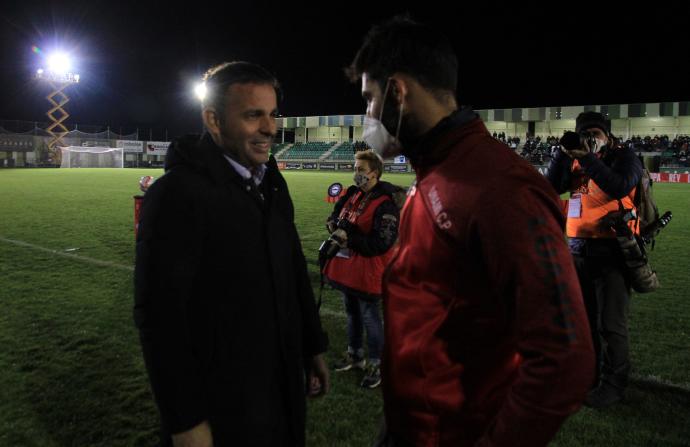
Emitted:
<point x="92" y="157"/>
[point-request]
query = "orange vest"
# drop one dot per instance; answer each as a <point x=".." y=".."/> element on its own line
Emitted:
<point x="588" y="204"/>
<point x="358" y="272"/>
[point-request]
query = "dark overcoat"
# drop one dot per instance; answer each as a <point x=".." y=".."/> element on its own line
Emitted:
<point x="223" y="301"/>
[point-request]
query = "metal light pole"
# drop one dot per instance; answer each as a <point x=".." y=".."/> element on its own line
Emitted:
<point x="58" y="78"/>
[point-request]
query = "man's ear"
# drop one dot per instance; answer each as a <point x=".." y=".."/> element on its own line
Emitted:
<point x="211" y="120"/>
<point x="399" y="88"/>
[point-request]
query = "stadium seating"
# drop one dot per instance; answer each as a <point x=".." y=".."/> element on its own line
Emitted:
<point x="306" y="151"/>
<point x="345" y="152"/>
<point x="278" y="147"/>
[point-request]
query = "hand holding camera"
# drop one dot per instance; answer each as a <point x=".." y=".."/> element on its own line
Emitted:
<point x="336" y="241"/>
<point x="331" y="225"/>
<point x="578" y="144"/>
<point x="340" y="237"/>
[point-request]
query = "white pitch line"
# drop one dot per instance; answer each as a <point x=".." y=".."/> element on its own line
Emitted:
<point x="80" y="258"/>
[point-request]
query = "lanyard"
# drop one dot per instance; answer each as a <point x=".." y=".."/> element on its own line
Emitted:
<point x="353" y="209"/>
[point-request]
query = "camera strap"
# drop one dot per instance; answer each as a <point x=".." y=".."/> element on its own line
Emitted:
<point x="622" y="209"/>
<point x="351" y="211"/>
<point x="355" y="206"/>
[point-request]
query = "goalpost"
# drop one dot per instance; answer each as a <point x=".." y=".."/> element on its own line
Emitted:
<point x="92" y="157"/>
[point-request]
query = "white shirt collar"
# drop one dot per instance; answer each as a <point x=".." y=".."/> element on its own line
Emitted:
<point x="257" y="174"/>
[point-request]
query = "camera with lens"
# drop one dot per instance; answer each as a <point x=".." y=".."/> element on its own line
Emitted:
<point x="654" y="229"/>
<point x="578" y="140"/>
<point x="330" y="246"/>
<point x="642" y="278"/>
<point x="618" y="221"/>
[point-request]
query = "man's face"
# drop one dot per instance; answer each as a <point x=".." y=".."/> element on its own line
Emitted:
<point x="249" y="126"/>
<point x="598" y="134"/>
<point x="372" y="94"/>
<point x="601" y="137"/>
<point x="378" y="100"/>
<point x="399" y="121"/>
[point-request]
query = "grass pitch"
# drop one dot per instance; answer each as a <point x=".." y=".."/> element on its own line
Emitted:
<point x="71" y="372"/>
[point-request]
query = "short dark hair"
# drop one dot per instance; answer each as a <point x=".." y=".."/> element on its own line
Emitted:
<point x="403" y="45"/>
<point x="374" y="160"/>
<point x="220" y="77"/>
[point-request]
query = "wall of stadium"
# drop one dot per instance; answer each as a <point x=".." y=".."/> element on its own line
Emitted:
<point x="666" y="118"/>
<point x="669" y="118"/>
<point x="321" y="134"/>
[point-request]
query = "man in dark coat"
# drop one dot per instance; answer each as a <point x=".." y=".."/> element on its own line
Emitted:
<point x="223" y="300"/>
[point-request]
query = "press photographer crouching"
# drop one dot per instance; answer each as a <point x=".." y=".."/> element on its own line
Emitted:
<point x="364" y="228"/>
<point x="601" y="176"/>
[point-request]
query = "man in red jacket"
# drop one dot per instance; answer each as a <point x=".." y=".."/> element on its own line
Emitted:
<point x="486" y="338"/>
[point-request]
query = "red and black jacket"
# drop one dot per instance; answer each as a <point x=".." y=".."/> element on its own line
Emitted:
<point x="486" y="337"/>
<point x="372" y="232"/>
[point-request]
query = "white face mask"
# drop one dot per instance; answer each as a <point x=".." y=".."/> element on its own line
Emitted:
<point x="376" y="135"/>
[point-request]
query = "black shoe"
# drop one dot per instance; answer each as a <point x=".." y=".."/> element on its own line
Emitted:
<point x="604" y="396"/>
<point x="349" y="361"/>
<point x="372" y="378"/>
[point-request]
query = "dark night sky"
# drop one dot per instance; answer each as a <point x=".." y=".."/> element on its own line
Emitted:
<point x="139" y="60"/>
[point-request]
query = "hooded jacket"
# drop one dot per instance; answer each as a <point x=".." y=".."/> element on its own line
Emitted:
<point x="223" y="300"/>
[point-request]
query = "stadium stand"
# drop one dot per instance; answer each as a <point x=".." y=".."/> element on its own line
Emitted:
<point x="306" y="151"/>
<point x="276" y="148"/>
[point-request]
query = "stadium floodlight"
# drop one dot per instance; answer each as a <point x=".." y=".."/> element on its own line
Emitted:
<point x="59" y="76"/>
<point x="200" y="91"/>
<point x="59" y="63"/>
<point x="58" y="69"/>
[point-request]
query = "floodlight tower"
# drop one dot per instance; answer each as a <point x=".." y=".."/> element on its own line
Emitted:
<point x="59" y="77"/>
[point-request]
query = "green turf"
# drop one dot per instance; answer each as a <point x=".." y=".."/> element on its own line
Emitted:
<point x="71" y="372"/>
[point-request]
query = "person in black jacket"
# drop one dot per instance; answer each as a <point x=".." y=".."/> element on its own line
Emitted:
<point x="223" y="301"/>
<point x="601" y="180"/>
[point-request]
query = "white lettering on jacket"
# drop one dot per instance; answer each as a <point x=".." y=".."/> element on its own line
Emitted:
<point x="437" y="208"/>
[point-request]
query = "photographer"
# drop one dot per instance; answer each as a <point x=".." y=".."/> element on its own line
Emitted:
<point x="601" y="176"/>
<point x="364" y="227"/>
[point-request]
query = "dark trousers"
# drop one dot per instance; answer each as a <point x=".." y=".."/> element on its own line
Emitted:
<point x="606" y="293"/>
<point x="363" y="313"/>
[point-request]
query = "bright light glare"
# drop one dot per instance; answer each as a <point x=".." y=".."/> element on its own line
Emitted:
<point x="39" y="71"/>
<point x="59" y="63"/>
<point x="76" y="78"/>
<point x="200" y="91"/>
